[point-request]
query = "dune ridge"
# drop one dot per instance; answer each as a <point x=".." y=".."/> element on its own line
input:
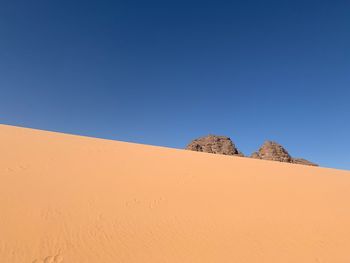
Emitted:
<point x="67" y="198"/>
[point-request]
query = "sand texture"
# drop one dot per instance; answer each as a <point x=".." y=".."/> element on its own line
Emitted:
<point x="73" y="199"/>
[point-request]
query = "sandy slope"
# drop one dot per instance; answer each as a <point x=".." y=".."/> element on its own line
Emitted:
<point x="74" y="199"/>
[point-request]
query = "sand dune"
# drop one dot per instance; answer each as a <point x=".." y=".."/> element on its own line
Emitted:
<point x="71" y="199"/>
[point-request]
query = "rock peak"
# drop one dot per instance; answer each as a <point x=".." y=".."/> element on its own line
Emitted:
<point x="273" y="151"/>
<point x="214" y="144"/>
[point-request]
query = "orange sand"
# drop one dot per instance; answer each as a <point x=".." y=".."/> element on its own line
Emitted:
<point x="73" y="199"/>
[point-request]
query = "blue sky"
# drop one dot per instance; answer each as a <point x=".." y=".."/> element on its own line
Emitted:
<point x="165" y="72"/>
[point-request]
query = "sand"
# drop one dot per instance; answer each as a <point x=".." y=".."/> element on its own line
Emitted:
<point x="72" y="199"/>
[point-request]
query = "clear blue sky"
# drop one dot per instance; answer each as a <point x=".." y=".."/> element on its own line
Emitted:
<point x="165" y="72"/>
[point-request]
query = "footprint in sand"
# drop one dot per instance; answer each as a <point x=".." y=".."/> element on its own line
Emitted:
<point x="50" y="259"/>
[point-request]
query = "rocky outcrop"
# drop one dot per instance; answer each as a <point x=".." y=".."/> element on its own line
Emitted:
<point x="272" y="151"/>
<point x="275" y="152"/>
<point x="214" y="144"/>
<point x="303" y="161"/>
<point x="223" y="145"/>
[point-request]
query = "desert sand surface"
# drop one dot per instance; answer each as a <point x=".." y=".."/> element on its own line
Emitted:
<point x="72" y="199"/>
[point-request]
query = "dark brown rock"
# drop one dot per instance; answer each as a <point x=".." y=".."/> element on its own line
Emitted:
<point x="303" y="161"/>
<point x="214" y="144"/>
<point x="275" y="152"/>
<point x="272" y="151"/>
<point x="223" y="145"/>
<point x="255" y="155"/>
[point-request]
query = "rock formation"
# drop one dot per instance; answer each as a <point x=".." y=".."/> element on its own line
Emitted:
<point x="303" y="161"/>
<point x="214" y="144"/>
<point x="272" y="151"/>
<point x="223" y="145"/>
<point x="275" y="152"/>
